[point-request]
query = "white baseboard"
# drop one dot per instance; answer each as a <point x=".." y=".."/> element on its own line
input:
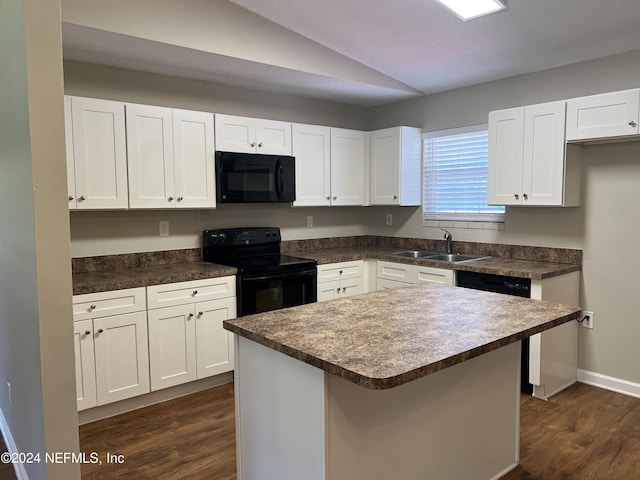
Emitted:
<point x="21" y="473"/>
<point x="609" y="383"/>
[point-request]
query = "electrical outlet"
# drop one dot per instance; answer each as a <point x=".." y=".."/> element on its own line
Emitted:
<point x="163" y="228"/>
<point x="309" y="221"/>
<point x="588" y="319"/>
<point x="9" y="392"/>
<point x="389" y="218"/>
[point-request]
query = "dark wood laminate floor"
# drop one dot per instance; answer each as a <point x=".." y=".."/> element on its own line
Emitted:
<point x="582" y="433"/>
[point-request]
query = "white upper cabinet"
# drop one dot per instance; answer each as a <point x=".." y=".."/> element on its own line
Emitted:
<point x="97" y="169"/>
<point x="312" y="151"/>
<point x="529" y="163"/>
<point x="252" y="135"/>
<point x="170" y="156"/>
<point x="348" y="167"/>
<point x="395" y="166"/>
<point x="608" y="115"/>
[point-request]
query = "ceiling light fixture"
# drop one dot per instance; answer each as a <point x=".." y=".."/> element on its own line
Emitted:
<point x="468" y="9"/>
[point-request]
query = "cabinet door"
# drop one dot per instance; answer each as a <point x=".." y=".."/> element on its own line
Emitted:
<point x="506" y="143"/>
<point x="433" y="275"/>
<point x="122" y="356"/>
<point x="99" y="151"/>
<point x="348" y="154"/>
<point x="85" y="364"/>
<point x="71" y="168"/>
<point x="214" y="344"/>
<point x="328" y="290"/>
<point x="544" y="149"/>
<point x="273" y="137"/>
<point x="150" y="154"/>
<point x="351" y="286"/>
<point x="398" y="272"/>
<point x="172" y="346"/>
<point x="386" y="284"/>
<point x="385" y="167"/>
<point x="193" y="152"/>
<point x="235" y="134"/>
<point x="612" y="114"/>
<point x="312" y="150"/>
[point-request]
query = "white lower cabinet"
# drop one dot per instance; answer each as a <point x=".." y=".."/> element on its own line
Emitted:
<point x="186" y="337"/>
<point x="111" y="350"/>
<point x="339" y="280"/>
<point x="392" y="275"/>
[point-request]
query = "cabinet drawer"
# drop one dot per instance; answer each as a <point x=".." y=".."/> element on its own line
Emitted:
<point x="342" y="270"/>
<point x="113" y="302"/>
<point x="434" y="275"/>
<point x="189" y="292"/>
<point x="397" y="272"/>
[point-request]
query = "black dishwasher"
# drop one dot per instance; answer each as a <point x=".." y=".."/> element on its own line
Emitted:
<point x="519" y="287"/>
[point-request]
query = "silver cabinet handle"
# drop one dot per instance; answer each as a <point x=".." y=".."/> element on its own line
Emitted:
<point x="200" y="314"/>
<point x="253" y="144"/>
<point x="338" y="290"/>
<point x="180" y="199"/>
<point x="70" y="198"/>
<point x="260" y="145"/>
<point x="87" y="332"/>
<point x="195" y="292"/>
<point x="395" y="197"/>
<point x="517" y="196"/>
<point x="81" y="198"/>
<point x="632" y="123"/>
<point x="526" y="197"/>
<point x="340" y="272"/>
<point x="170" y="199"/>
<point x="329" y="197"/>
<point x="335" y="198"/>
<point x="344" y="289"/>
<point x="190" y="316"/>
<point x="100" y="330"/>
<point x="92" y="307"/>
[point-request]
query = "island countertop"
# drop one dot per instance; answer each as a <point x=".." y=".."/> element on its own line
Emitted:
<point x="384" y="339"/>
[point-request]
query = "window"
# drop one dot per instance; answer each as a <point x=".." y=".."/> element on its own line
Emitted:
<point x="455" y="176"/>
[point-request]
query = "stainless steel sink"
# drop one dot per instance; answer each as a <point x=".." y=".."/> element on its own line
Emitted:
<point x="437" y="256"/>
<point x="455" y="257"/>
<point x="413" y="253"/>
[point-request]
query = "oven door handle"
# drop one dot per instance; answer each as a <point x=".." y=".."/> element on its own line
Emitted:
<point x="305" y="273"/>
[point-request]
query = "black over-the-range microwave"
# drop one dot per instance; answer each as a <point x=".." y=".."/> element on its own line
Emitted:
<point x="253" y="178"/>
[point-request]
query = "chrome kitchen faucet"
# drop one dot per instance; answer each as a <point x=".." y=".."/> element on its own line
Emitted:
<point x="449" y="238"/>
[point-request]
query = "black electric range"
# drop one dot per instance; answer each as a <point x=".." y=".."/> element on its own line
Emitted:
<point x="266" y="280"/>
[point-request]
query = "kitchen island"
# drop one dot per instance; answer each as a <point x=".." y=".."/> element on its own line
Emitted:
<point x="413" y="383"/>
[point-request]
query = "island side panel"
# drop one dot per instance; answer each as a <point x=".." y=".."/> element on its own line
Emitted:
<point x="280" y="415"/>
<point x="461" y="422"/>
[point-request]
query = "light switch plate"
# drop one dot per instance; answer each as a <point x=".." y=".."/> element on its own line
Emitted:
<point x="163" y="228"/>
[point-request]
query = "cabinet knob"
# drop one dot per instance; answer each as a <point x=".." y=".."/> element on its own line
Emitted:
<point x="632" y="123"/>
<point x="517" y="196"/>
<point x="170" y="199"/>
<point x="195" y="292"/>
<point x="92" y="307"/>
<point x="190" y="316"/>
<point x="70" y="198"/>
<point x="87" y="332"/>
<point x="395" y="197"/>
<point x="81" y="198"/>
<point x="340" y="272"/>
<point x="344" y="289"/>
<point x="253" y="144"/>
<point x="200" y="314"/>
<point x="329" y="197"/>
<point x="338" y="290"/>
<point x="100" y="330"/>
<point x="335" y="198"/>
<point x="526" y="197"/>
<point x="180" y="199"/>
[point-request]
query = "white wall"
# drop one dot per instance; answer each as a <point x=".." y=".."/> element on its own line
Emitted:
<point x="36" y="333"/>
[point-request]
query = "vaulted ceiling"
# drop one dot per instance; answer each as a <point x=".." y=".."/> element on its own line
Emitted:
<point x="363" y="52"/>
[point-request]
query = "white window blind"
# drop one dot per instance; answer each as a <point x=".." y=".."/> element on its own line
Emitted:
<point x="455" y="176"/>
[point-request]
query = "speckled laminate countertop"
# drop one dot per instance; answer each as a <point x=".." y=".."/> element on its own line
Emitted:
<point x="494" y="265"/>
<point x="116" y="279"/>
<point x="384" y="339"/>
